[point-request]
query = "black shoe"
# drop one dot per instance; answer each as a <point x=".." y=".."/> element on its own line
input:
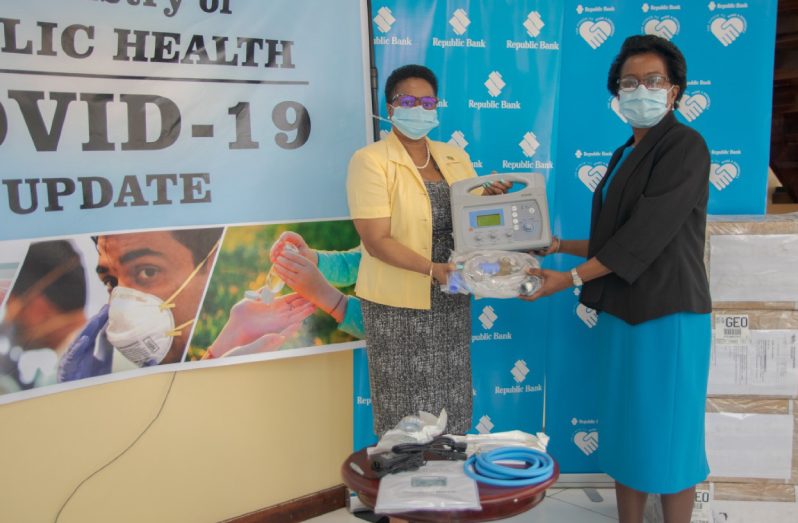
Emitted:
<point x="368" y="515"/>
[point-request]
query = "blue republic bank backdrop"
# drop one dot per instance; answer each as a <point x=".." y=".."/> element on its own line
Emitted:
<point x="523" y="88"/>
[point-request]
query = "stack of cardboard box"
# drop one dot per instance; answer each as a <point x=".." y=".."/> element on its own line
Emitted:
<point x="752" y="412"/>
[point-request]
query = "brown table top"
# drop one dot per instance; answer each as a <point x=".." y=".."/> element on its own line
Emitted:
<point x="497" y="502"/>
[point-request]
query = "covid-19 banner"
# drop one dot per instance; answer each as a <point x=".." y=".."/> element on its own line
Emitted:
<point x="524" y="86"/>
<point x="159" y="158"/>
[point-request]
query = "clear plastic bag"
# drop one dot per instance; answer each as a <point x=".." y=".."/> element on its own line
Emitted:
<point x="494" y="440"/>
<point x="493" y="274"/>
<point x="412" y="429"/>
<point x="438" y="485"/>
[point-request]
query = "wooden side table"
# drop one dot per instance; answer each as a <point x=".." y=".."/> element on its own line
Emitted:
<point x="497" y="502"/>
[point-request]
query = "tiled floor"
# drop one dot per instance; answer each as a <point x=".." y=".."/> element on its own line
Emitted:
<point x="572" y="505"/>
<point x="560" y="506"/>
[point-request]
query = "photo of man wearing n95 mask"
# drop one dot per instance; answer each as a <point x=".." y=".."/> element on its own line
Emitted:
<point x="155" y="282"/>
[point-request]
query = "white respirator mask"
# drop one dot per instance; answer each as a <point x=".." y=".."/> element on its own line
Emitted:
<point x="141" y="326"/>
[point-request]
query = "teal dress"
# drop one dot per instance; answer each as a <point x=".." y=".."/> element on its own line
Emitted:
<point x="652" y="392"/>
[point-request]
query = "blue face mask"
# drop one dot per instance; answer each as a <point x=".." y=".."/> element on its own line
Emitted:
<point x="644" y="108"/>
<point x="414" y="122"/>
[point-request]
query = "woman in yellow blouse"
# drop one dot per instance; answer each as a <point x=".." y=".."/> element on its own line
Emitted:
<point x="418" y="337"/>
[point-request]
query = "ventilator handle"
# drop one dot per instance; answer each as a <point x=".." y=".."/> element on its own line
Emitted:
<point x="525" y="179"/>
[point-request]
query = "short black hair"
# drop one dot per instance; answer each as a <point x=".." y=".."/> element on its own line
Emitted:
<point x="665" y="49"/>
<point x="57" y="267"/>
<point x="409" y="71"/>
<point x="198" y="241"/>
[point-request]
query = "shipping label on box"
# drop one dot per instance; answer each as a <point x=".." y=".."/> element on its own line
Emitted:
<point x="702" y="511"/>
<point x="757" y="362"/>
<point x="732" y="329"/>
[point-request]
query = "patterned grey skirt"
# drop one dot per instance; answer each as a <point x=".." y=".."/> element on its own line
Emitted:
<point x="421" y="359"/>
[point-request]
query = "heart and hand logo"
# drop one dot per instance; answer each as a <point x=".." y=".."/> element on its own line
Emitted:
<point x="721" y="175"/>
<point x="587" y="441"/>
<point x="727" y="30"/>
<point x="591" y="175"/>
<point x="596" y="33"/>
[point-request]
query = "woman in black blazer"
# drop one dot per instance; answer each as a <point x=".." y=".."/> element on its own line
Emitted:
<point x="645" y="274"/>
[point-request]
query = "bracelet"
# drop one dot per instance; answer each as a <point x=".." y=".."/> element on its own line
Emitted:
<point x="431" y="266"/>
<point x="337" y="304"/>
<point x="577" y="281"/>
<point x="559" y="243"/>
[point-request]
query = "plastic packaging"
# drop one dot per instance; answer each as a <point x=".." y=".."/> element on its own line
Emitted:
<point x="412" y="429"/>
<point x="749" y="261"/>
<point x="493" y="274"/>
<point x="740" y="414"/>
<point x="513" y="438"/>
<point x="438" y="485"/>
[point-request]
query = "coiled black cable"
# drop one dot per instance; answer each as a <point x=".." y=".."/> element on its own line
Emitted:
<point x="443" y="447"/>
<point x="411" y="456"/>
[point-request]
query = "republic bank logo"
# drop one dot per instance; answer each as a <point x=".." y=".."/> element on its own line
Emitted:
<point x="495" y="84"/>
<point x="595" y="31"/>
<point x="384" y="19"/>
<point x="488" y="317"/>
<point x="727" y="29"/>
<point x="485" y="425"/>
<point x="667" y="27"/>
<point x="529" y="145"/>
<point x="459" y="21"/>
<point x="692" y="105"/>
<point x="519" y="371"/>
<point x="721" y="175"/>
<point x="646" y="7"/>
<point x="533" y="24"/>
<point x="458" y="140"/>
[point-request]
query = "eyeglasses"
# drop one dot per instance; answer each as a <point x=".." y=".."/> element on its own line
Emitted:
<point x="408" y="101"/>
<point x="652" y="82"/>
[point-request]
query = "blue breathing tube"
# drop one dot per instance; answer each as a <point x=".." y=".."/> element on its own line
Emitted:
<point x="481" y="467"/>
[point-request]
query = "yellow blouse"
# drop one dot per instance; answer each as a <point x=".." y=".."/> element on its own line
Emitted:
<point x="383" y="183"/>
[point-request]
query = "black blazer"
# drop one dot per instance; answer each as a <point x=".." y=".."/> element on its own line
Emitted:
<point x="650" y="230"/>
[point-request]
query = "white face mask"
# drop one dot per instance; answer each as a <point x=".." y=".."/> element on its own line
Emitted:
<point x="141" y="326"/>
<point x="643" y="107"/>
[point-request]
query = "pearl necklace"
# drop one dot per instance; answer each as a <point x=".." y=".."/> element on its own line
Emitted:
<point x="425" y="163"/>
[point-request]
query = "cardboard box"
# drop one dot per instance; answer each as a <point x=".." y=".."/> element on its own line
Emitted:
<point x="751" y="261"/>
<point x="752" y="440"/>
